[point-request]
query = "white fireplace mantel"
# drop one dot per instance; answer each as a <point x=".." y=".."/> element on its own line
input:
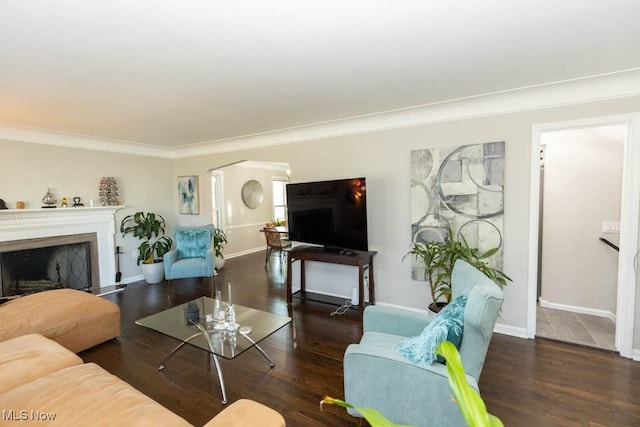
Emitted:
<point x="20" y="224"/>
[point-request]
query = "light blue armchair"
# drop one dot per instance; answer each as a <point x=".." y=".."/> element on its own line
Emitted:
<point x="193" y="256"/>
<point x="379" y="377"/>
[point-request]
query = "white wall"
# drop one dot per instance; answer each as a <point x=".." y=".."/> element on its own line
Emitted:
<point x="582" y="188"/>
<point x="144" y="183"/>
<point x="243" y="224"/>
<point x="383" y="158"/>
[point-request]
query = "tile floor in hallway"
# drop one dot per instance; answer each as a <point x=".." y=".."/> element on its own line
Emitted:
<point x="578" y="328"/>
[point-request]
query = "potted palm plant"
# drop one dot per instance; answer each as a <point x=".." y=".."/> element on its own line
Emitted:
<point x="431" y="255"/>
<point x="150" y="228"/>
<point x="438" y="259"/>
<point x="219" y="240"/>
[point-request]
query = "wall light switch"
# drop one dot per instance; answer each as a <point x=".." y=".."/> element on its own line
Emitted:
<point x="135" y="253"/>
<point x="611" y="227"/>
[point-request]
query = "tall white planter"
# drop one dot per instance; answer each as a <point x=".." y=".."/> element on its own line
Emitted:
<point x="153" y="273"/>
<point x="219" y="262"/>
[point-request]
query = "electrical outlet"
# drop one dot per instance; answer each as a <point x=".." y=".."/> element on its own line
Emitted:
<point x="612" y="227"/>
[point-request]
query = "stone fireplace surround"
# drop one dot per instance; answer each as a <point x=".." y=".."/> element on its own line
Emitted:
<point x="21" y="224"/>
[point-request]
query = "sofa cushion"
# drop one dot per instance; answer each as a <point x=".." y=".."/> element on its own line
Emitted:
<point x="447" y="325"/>
<point x="193" y="243"/>
<point x="28" y="357"/>
<point x="190" y="267"/>
<point x="75" y="319"/>
<point x="87" y="395"/>
<point x="381" y="339"/>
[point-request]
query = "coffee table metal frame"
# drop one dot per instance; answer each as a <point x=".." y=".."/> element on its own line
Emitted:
<point x="206" y="334"/>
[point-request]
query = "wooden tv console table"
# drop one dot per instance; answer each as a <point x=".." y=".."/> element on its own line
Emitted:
<point x="361" y="259"/>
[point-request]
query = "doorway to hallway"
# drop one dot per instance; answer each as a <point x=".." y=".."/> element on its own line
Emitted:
<point x="580" y="196"/>
<point x="623" y="310"/>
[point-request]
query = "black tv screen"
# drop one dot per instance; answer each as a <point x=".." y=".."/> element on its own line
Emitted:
<point x="329" y="213"/>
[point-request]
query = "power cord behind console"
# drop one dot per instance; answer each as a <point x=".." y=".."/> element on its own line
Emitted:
<point x="343" y="308"/>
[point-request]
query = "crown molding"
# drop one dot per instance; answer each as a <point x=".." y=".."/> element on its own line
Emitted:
<point x="577" y="91"/>
<point x="274" y="166"/>
<point x="11" y="132"/>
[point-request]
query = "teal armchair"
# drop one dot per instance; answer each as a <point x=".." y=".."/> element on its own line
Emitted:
<point x="193" y="255"/>
<point x="377" y="376"/>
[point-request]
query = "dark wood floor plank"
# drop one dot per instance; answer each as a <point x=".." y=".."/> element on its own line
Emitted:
<point x="524" y="382"/>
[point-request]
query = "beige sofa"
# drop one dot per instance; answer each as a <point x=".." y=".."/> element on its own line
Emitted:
<point x="43" y="381"/>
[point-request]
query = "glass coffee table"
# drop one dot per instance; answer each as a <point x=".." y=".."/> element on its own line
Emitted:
<point x="194" y="323"/>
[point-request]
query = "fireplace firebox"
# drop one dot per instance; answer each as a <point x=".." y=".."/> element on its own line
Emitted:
<point x="35" y="265"/>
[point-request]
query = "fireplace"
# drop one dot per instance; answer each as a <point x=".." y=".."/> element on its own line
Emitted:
<point x="73" y="247"/>
<point x="34" y="265"/>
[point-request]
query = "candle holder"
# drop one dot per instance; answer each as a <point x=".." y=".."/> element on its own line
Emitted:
<point x="231" y="325"/>
<point x="219" y="316"/>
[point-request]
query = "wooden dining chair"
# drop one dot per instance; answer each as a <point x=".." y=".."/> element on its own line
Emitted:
<point x="275" y="242"/>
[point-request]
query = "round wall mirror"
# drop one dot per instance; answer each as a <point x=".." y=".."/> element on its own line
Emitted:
<point x="252" y="194"/>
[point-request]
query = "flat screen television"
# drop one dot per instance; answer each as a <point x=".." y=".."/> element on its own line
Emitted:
<point x="329" y="213"/>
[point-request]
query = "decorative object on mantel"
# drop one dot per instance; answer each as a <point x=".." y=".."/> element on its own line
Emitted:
<point x="76" y="202"/>
<point x="252" y="194"/>
<point x="188" y="197"/>
<point x="64" y="202"/>
<point x="48" y="200"/>
<point x="20" y="204"/>
<point x="3" y="205"/>
<point x="108" y="191"/>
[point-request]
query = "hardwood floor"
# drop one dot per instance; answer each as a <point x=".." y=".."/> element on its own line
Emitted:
<point x="524" y="382"/>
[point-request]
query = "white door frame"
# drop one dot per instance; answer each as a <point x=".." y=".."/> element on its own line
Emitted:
<point x="629" y="214"/>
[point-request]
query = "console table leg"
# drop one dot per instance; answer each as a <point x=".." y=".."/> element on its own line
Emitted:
<point x="372" y="286"/>
<point x="289" y="279"/>
<point x="361" y="288"/>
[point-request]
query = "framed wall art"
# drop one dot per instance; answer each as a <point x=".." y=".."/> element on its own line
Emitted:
<point x="460" y="187"/>
<point x="188" y="198"/>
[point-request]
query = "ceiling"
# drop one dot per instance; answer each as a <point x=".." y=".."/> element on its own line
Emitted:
<point x="170" y="74"/>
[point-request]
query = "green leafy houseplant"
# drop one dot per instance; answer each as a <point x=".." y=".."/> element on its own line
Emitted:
<point x="219" y="240"/>
<point x="438" y="259"/>
<point x="150" y="228"/>
<point x="471" y="404"/>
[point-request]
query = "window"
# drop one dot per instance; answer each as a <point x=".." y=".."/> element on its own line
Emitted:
<point x="216" y="199"/>
<point x="280" y="198"/>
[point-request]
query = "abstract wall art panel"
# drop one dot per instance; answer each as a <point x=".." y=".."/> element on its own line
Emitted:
<point x="459" y="187"/>
<point x="188" y="202"/>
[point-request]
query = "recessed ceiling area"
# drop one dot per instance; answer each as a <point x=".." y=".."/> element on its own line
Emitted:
<point x="171" y="73"/>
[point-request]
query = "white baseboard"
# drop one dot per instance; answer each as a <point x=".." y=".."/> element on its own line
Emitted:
<point x="513" y="331"/>
<point x="245" y="252"/>
<point x="576" y="309"/>
<point x="316" y="291"/>
<point x="127" y="280"/>
<point x="500" y="328"/>
<point x="636" y="354"/>
<point x="111" y="290"/>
